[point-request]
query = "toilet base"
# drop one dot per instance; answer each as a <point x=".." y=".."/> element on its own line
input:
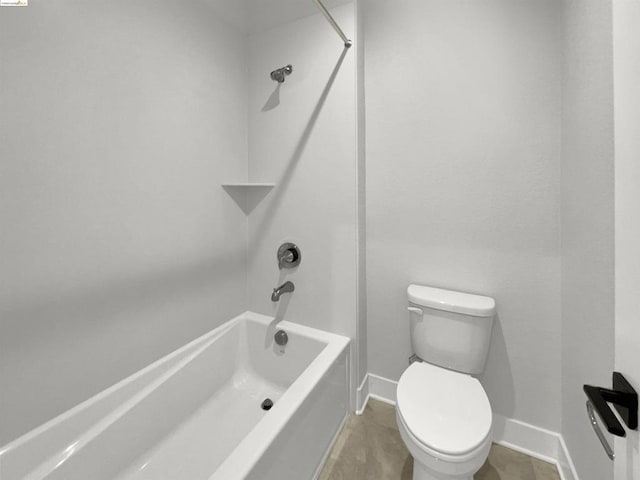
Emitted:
<point x="420" y="473"/>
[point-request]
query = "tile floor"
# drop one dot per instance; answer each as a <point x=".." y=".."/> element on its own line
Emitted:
<point x="370" y="448"/>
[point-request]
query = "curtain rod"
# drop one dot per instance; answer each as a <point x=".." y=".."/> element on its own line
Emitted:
<point x="334" y="24"/>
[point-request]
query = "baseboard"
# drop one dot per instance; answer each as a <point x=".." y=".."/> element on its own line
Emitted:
<point x="534" y="441"/>
<point x="362" y="395"/>
<point x="379" y="388"/>
<point x="519" y="436"/>
<point x="565" y="465"/>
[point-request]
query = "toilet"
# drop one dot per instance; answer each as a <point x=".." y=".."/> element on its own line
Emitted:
<point x="443" y="413"/>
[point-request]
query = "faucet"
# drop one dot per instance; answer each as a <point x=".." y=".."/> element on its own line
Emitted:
<point x="286" y="287"/>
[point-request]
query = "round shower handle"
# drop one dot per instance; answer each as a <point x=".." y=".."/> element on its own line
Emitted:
<point x="289" y="256"/>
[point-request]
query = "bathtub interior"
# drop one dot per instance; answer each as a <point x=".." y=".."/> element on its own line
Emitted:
<point x="259" y="356"/>
<point x="179" y="419"/>
<point x="300" y="448"/>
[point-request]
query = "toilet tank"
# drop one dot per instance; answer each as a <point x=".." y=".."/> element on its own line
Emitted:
<point x="451" y="329"/>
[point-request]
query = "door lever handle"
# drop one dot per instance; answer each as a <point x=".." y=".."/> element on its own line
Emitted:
<point x="623" y="397"/>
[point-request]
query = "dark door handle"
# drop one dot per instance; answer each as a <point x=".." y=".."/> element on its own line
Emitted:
<point x="623" y="397"/>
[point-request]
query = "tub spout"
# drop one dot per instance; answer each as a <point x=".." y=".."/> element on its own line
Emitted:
<point x="286" y="287"/>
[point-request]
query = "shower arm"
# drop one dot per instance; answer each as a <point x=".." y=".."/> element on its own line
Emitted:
<point x="334" y="24"/>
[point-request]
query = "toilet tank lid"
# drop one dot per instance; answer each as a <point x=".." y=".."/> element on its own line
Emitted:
<point x="450" y="301"/>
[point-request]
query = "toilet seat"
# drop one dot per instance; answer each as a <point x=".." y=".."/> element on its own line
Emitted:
<point x="447" y="413"/>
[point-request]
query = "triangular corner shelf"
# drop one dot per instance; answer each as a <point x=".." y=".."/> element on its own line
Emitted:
<point x="249" y="185"/>
<point x="248" y="195"/>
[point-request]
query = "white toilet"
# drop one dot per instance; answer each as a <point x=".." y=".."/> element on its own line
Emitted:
<point x="443" y="413"/>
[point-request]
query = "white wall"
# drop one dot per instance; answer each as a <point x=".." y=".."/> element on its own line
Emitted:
<point x="626" y="66"/>
<point x="587" y="224"/>
<point x="118" y="122"/>
<point x="302" y="137"/>
<point x="267" y="14"/>
<point x="463" y="168"/>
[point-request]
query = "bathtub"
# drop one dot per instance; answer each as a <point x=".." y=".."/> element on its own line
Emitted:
<point x="196" y="413"/>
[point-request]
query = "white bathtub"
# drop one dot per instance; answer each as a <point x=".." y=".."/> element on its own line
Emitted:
<point x="196" y="414"/>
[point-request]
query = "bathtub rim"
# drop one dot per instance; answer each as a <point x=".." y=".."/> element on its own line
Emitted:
<point x="104" y="394"/>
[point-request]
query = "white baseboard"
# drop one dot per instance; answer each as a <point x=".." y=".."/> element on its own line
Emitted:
<point x="565" y="465"/>
<point x="519" y="436"/>
<point x="375" y="387"/>
<point x="362" y="396"/>
<point x="382" y="389"/>
<point x="534" y="441"/>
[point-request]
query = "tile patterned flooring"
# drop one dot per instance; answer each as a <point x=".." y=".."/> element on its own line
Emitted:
<point x="370" y="448"/>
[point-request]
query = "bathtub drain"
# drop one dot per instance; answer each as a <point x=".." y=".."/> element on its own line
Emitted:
<point x="267" y="404"/>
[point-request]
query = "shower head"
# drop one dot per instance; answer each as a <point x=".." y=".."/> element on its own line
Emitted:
<point x="280" y="74"/>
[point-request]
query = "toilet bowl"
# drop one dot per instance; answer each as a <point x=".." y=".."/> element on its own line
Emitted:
<point x="443" y="413"/>
<point x="444" y="418"/>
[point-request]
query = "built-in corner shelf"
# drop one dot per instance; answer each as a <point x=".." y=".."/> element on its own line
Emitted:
<point x="248" y="194"/>
<point x="249" y="185"/>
